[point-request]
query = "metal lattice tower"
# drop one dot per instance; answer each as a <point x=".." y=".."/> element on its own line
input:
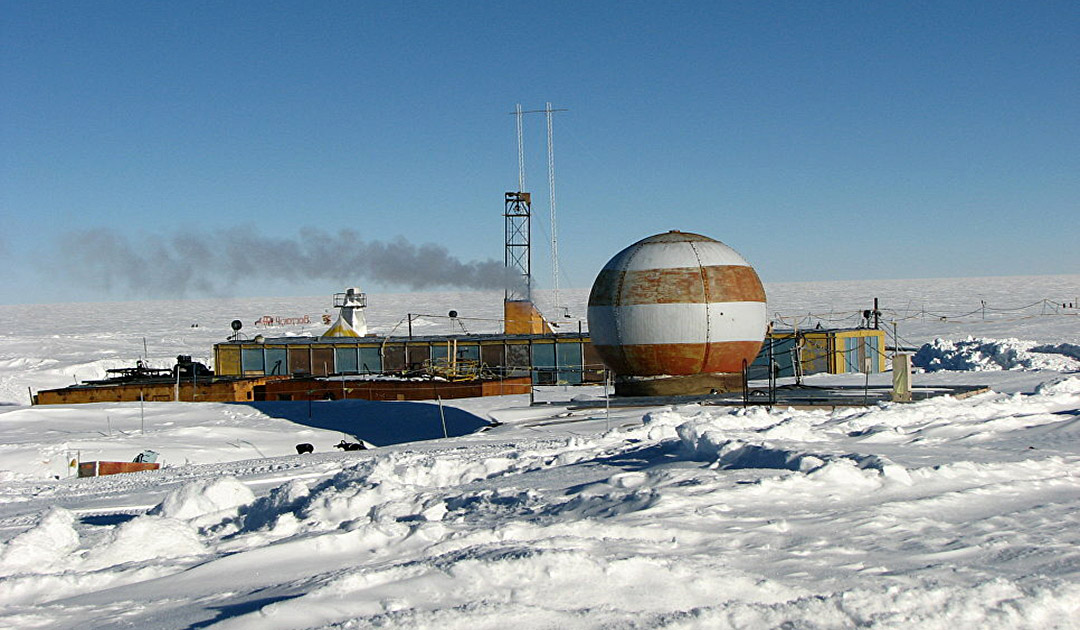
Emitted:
<point x="518" y="257"/>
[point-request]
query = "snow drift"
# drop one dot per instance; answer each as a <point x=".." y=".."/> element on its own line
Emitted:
<point x="997" y="354"/>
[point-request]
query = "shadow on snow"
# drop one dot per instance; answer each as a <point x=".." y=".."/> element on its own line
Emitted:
<point x="242" y="608"/>
<point x="376" y="422"/>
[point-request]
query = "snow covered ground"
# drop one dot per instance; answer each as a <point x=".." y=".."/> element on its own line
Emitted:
<point x="940" y="514"/>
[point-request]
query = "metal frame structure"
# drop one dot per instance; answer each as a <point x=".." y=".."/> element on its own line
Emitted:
<point x="518" y="250"/>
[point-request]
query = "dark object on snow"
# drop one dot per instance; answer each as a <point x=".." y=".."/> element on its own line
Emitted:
<point x="139" y="372"/>
<point x="146" y="457"/>
<point x="304" y="448"/>
<point x="186" y="368"/>
<point x="350" y="446"/>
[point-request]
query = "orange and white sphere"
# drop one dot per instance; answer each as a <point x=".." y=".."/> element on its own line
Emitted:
<point x="677" y="313"/>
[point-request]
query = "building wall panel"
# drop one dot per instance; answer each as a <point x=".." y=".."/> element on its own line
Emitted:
<point x="300" y="359"/>
<point x="227" y="360"/>
<point x="322" y="360"/>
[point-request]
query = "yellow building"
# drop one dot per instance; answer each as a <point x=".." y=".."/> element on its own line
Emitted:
<point x="830" y="350"/>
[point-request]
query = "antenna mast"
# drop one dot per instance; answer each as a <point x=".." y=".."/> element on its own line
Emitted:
<point x="551" y="199"/>
<point x="521" y="151"/>
<point x="518" y="214"/>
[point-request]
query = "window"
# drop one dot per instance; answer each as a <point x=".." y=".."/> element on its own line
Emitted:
<point x="252" y="360"/>
<point x="346" y="360"/>
<point x="568" y="358"/>
<point x="370" y="362"/>
<point x="276" y="361"/>
<point x="543" y="361"/>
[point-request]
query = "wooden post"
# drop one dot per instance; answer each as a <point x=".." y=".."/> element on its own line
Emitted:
<point x="901" y="377"/>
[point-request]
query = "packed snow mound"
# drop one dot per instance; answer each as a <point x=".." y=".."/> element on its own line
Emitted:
<point x="24" y="363"/>
<point x="282" y="500"/>
<point x="146" y="538"/>
<point x="707" y="441"/>
<point x="43" y="548"/>
<point x="1067" y="385"/>
<point x="1067" y="349"/>
<point x="976" y="355"/>
<point x="204" y="497"/>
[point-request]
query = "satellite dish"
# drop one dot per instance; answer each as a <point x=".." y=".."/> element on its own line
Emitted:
<point x="452" y="314"/>
<point x="237" y="324"/>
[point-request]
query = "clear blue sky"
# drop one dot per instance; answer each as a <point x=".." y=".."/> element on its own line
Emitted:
<point x="823" y="140"/>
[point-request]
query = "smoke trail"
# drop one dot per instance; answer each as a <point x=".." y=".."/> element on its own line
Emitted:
<point x="211" y="263"/>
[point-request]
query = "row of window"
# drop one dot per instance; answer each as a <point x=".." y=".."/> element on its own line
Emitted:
<point x="549" y="362"/>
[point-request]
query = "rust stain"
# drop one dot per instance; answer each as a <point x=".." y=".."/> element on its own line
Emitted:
<point x="680" y="285"/>
<point x="730" y="283"/>
<point x="662" y="286"/>
<point x="678" y="358"/>
<point x="605" y="289"/>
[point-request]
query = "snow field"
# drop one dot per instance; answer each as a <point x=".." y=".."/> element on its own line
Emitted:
<point x="697" y="517"/>
<point x="945" y="513"/>
<point x="41" y="442"/>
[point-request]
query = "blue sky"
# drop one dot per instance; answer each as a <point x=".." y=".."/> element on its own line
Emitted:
<point x="838" y="140"/>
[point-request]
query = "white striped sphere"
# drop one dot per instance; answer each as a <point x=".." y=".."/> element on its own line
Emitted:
<point x="677" y="304"/>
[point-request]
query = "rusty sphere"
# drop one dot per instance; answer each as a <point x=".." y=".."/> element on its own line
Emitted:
<point x="677" y="304"/>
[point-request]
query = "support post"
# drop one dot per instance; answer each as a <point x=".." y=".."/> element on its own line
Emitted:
<point x="901" y="377"/>
<point x="773" y="368"/>
<point x="745" y="383"/>
<point x="442" y="415"/>
<point x="607" y="399"/>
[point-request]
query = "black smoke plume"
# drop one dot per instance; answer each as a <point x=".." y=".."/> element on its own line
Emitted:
<point x="202" y="263"/>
